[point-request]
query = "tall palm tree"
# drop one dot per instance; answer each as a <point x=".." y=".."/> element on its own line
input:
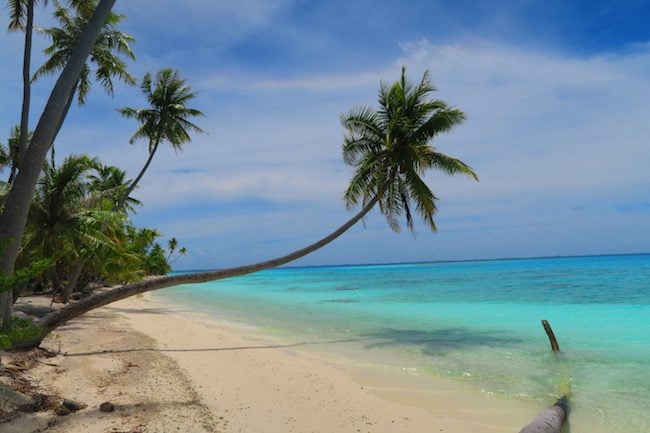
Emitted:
<point x="17" y="202"/>
<point x="21" y="13"/>
<point x="167" y="118"/>
<point x="106" y="54"/>
<point x="389" y="148"/>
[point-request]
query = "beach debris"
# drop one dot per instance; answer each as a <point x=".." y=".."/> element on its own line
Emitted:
<point x="12" y="400"/>
<point x="554" y="417"/>
<point x="551" y="336"/>
<point x="62" y="411"/>
<point x="73" y="405"/>
<point x="107" y="406"/>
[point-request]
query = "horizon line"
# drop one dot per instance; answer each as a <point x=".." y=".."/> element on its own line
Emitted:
<point x="425" y="262"/>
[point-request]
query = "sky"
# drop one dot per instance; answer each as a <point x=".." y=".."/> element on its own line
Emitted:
<point x="556" y="93"/>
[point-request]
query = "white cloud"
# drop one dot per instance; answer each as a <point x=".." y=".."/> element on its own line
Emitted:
<point x="558" y="143"/>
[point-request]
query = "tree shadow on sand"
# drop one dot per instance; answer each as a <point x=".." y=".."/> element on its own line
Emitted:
<point x="214" y="349"/>
<point x="439" y="341"/>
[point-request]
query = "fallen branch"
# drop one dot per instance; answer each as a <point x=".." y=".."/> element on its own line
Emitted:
<point x="553" y="418"/>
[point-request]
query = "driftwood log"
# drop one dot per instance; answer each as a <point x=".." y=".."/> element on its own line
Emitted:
<point x="552" y="419"/>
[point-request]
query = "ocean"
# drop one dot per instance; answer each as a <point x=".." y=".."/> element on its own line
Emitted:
<point x="476" y="321"/>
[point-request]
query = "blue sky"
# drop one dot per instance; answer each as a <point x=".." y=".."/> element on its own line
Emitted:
<point x="557" y="96"/>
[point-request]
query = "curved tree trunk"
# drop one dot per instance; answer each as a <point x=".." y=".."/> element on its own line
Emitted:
<point x="133" y="184"/>
<point x="57" y="318"/>
<point x="14" y="215"/>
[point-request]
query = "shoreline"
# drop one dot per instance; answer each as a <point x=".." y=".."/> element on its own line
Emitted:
<point x="150" y="354"/>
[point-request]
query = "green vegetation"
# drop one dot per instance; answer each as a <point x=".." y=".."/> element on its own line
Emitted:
<point x="16" y="331"/>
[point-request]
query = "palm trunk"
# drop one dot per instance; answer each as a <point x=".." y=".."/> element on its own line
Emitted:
<point x="133" y="184"/>
<point x="57" y="318"/>
<point x="551" y="420"/>
<point x="72" y="280"/>
<point x="14" y="216"/>
<point x="66" y="109"/>
<point x="27" y="88"/>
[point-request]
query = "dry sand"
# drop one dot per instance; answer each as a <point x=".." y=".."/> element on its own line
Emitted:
<point x="183" y="372"/>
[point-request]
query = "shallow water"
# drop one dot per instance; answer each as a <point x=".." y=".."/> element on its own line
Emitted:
<point x="477" y="322"/>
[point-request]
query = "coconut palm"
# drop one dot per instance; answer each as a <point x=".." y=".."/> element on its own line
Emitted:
<point x="105" y="55"/>
<point x="168" y="117"/>
<point x="107" y="187"/>
<point x="13" y="218"/>
<point x="110" y="182"/>
<point x="58" y="211"/>
<point x="389" y="149"/>
<point x="76" y="221"/>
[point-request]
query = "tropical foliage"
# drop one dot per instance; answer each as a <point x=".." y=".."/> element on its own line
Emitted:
<point x="106" y="54"/>
<point x="77" y="216"/>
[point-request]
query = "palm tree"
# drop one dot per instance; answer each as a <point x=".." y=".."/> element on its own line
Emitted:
<point x="105" y="55"/>
<point x="107" y="188"/>
<point x="167" y="118"/>
<point x="55" y="221"/>
<point x="17" y="202"/>
<point x="389" y="149"/>
<point x="110" y="182"/>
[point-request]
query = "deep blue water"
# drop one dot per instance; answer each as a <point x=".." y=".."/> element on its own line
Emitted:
<point x="478" y="322"/>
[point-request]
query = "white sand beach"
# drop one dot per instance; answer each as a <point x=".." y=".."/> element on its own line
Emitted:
<point x="167" y="371"/>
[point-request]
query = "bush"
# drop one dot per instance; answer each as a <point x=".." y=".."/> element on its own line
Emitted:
<point x="17" y="331"/>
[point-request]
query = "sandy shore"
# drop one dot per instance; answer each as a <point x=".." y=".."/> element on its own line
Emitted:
<point x="183" y="372"/>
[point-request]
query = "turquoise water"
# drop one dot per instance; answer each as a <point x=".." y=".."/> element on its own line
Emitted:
<point x="477" y="322"/>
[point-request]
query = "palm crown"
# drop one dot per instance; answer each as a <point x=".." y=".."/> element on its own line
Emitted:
<point x="110" y="44"/>
<point x="167" y="119"/>
<point x="391" y="151"/>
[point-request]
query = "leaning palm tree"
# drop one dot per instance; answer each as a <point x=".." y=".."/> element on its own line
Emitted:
<point x="13" y="217"/>
<point x="166" y="119"/>
<point x="54" y="226"/>
<point x="390" y="150"/>
<point x="105" y="55"/>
